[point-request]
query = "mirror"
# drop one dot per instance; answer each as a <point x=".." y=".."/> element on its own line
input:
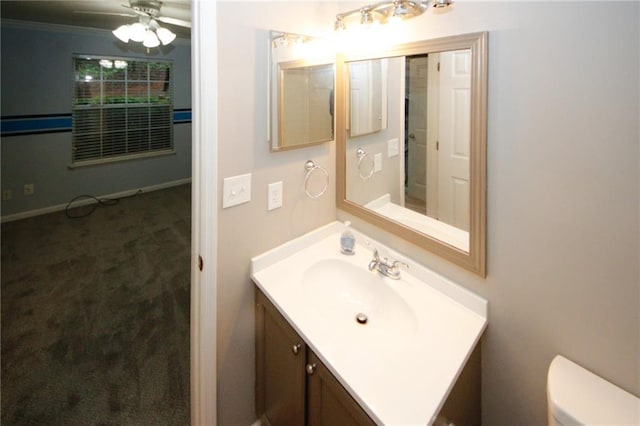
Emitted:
<point x="301" y="99"/>
<point x="367" y="101"/>
<point x="422" y="174"/>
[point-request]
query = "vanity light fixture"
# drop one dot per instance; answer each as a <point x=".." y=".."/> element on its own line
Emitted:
<point x="388" y="11"/>
<point x="288" y="39"/>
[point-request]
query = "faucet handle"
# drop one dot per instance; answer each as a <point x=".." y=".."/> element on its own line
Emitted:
<point x="395" y="266"/>
<point x="376" y="255"/>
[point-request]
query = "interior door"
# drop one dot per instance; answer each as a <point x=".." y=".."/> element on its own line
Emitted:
<point x="416" y="97"/>
<point x="454" y="138"/>
<point x="433" y="134"/>
<point x="368" y="97"/>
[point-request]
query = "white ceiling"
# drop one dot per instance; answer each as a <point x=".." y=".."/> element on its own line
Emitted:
<point x="83" y="13"/>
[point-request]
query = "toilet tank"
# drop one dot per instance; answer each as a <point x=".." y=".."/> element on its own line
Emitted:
<point x="576" y="396"/>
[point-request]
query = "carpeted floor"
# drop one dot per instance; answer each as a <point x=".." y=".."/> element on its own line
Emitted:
<point x="95" y="315"/>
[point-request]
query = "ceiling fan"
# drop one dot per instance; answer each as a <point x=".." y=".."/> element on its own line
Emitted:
<point x="146" y="30"/>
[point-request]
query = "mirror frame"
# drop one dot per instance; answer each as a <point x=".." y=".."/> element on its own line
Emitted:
<point x="275" y="83"/>
<point x="475" y="259"/>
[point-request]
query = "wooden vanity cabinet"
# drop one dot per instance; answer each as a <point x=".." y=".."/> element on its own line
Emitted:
<point x="293" y="387"/>
<point x="280" y="367"/>
<point x="328" y="403"/>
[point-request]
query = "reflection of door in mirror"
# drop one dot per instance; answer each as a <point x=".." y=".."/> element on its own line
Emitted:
<point x="416" y="133"/>
<point x="368" y="97"/>
<point x="438" y="93"/>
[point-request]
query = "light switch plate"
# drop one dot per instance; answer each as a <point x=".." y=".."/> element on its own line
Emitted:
<point x="236" y="190"/>
<point x="274" y="196"/>
<point x="393" y="147"/>
<point x="377" y="162"/>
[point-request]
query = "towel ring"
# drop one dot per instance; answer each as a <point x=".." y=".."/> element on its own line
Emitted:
<point x="311" y="167"/>
<point x="362" y="154"/>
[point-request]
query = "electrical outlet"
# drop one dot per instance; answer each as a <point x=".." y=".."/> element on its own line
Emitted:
<point x="236" y="190"/>
<point x="29" y="189"/>
<point x="6" y="194"/>
<point x="274" y="194"/>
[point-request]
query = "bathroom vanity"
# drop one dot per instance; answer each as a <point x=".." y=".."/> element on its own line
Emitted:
<point x="337" y="343"/>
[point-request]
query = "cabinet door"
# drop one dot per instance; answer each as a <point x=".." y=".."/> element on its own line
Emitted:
<point x="462" y="406"/>
<point x="280" y="366"/>
<point x="328" y="403"/>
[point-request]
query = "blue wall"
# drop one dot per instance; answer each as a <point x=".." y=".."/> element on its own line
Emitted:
<point x="37" y="80"/>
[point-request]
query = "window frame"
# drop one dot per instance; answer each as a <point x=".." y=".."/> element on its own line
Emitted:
<point x="102" y="106"/>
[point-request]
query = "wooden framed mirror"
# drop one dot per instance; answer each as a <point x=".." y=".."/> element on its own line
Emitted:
<point x="422" y="176"/>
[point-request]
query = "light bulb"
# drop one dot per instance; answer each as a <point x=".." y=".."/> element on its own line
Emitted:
<point x="123" y="33"/>
<point x="165" y="35"/>
<point x="150" y="39"/>
<point x="137" y="32"/>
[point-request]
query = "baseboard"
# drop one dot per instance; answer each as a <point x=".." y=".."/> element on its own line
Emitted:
<point x="79" y="203"/>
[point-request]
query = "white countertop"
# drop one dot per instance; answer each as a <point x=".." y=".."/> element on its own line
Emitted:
<point x="403" y="378"/>
<point x="427" y="225"/>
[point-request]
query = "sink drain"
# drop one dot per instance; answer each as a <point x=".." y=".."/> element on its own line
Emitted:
<point x="362" y="318"/>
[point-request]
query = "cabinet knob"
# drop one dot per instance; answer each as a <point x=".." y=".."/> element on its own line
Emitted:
<point x="311" y="368"/>
<point x="296" y="348"/>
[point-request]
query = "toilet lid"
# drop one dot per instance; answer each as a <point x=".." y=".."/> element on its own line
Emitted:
<point x="576" y="395"/>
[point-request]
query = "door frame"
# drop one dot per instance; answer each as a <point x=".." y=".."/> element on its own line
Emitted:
<point x="204" y="212"/>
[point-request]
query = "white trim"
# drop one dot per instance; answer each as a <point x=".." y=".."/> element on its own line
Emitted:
<point x="79" y="203"/>
<point x="120" y="158"/>
<point x="204" y="97"/>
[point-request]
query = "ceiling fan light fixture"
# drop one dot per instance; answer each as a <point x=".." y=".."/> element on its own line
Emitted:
<point x="146" y="30"/>
<point x="137" y="32"/>
<point x="122" y="33"/>
<point x="165" y="35"/>
<point x="150" y="39"/>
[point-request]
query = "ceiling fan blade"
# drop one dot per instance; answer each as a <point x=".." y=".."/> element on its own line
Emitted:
<point x="136" y="11"/>
<point x="89" y="12"/>
<point x="174" y="21"/>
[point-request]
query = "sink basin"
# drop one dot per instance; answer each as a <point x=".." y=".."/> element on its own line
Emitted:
<point x="400" y="358"/>
<point x="341" y="291"/>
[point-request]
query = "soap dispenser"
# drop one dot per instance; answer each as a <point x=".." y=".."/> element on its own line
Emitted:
<point x="347" y="240"/>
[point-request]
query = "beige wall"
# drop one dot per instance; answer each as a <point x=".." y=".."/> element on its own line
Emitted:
<point x="563" y="191"/>
<point x="563" y="196"/>
<point x="248" y="229"/>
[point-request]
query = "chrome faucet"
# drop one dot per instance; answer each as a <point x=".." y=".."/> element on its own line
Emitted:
<point x="385" y="267"/>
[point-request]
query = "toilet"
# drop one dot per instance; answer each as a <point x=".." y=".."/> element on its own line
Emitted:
<point x="576" y="396"/>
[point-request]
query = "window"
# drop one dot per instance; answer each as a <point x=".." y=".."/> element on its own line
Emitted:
<point x="122" y="108"/>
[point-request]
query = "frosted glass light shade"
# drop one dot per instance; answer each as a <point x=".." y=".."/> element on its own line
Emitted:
<point x="123" y="33"/>
<point x="150" y="39"/>
<point x="137" y="32"/>
<point x="165" y="35"/>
